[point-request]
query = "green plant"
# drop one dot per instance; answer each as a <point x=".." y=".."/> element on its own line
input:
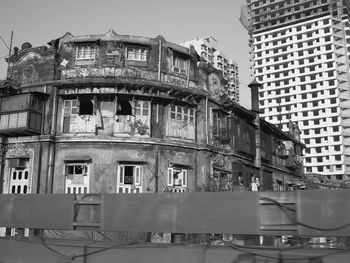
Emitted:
<point x="138" y="127"/>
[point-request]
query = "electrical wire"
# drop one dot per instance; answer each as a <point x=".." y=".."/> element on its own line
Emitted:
<point x="103" y="235"/>
<point x="304" y="245"/>
<point x="54" y="250"/>
<point x="3" y="41"/>
<point x="72" y="257"/>
<point x="245" y="249"/>
<point x="105" y="249"/>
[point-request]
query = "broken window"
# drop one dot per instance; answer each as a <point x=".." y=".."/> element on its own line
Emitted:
<point x="124" y="107"/>
<point x="86" y="107"/>
<point x="81" y="107"/>
<point x="77" y="115"/>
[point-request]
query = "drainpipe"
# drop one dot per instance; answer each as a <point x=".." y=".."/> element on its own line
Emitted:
<point x="188" y="73"/>
<point x="257" y="160"/>
<point x="196" y="171"/>
<point x="159" y="57"/>
<point x="206" y="120"/>
<point x="156" y="168"/>
<point x="254" y="86"/>
<point x="2" y="165"/>
<point x="50" y="171"/>
<point x="38" y="184"/>
<point x="159" y="70"/>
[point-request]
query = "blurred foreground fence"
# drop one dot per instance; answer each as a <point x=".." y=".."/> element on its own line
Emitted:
<point x="131" y="227"/>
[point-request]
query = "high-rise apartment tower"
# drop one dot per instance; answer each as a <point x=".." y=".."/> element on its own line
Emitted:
<point x="208" y="51"/>
<point x="300" y="53"/>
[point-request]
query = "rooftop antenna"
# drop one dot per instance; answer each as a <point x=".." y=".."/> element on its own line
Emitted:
<point x="9" y="48"/>
<point x="8" y="61"/>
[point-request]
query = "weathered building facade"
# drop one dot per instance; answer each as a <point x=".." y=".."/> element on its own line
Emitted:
<point x="123" y="114"/>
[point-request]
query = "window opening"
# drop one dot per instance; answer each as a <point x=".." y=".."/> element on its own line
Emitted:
<point x="85" y="52"/>
<point x="130" y="178"/>
<point x="177" y="179"/>
<point x="124" y="107"/>
<point x="180" y="113"/>
<point x="86" y="107"/>
<point x="128" y="175"/>
<point x="137" y="53"/>
<point x="77" y="178"/>
<point x="180" y="64"/>
<point x="142" y="108"/>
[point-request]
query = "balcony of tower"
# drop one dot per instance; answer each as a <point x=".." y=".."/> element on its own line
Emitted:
<point x="288" y="14"/>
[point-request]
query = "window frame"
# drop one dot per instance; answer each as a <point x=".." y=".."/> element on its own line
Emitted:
<point x="182" y="114"/>
<point x="179" y="64"/>
<point x="171" y="179"/>
<point x="143" y="108"/>
<point x="20" y="180"/>
<point x="89" y="54"/>
<point x="137" y="174"/>
<point x="68" y="186"/>
<point x="142" y="51"/>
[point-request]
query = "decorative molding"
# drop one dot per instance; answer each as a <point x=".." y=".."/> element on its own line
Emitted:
<point x="19" y="150"/>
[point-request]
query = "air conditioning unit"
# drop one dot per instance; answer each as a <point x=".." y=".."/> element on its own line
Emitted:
<point x="175" y="69"/>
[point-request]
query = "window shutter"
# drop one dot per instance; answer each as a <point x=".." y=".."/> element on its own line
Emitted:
<point x="184" y="178"/>
<point x="133" y="107"/>
<point x="170" y="177"/>
<point x="252" y="140"/>
<point x="76" y="109"/>
<point x="216" y="124"/>
<point x="121" y="174"/>
<point x="138" y="170"/>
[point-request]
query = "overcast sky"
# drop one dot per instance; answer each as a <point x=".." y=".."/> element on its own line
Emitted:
<point x="39" y="21"/>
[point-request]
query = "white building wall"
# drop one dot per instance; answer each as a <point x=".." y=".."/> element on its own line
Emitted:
<point x="207" y="49"/>
<point x="297" y="66"/>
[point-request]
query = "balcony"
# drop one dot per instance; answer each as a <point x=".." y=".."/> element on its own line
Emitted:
<point x="21" y="114"/>
<point x="294" y="161"/>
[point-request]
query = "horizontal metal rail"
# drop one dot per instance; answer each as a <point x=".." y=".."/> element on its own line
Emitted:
<point x="303" y="213"/>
